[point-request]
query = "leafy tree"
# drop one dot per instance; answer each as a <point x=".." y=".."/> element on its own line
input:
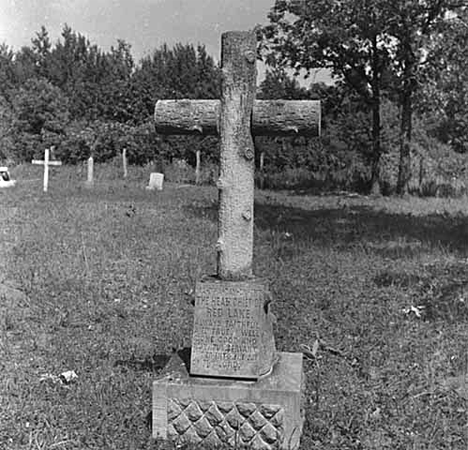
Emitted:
<point x="7" y="85"/>
<point x="41" y="48"/>
<point x="74" y="68"/>
<point x="7" y="72"/>
<point x="179" y="72"/>
<point x="373" y="45"/>
<point x="41" y="114"/>
<point x="106" y="95"/>
<point x="25" y="65"/>
<point x="346" y="36"/>
<point x="279" y="85"/>
<point x="115" y="96"/>
<point x="444" y="97"/>
<point x="410" y="25"/>
<point x="6" y="122"/>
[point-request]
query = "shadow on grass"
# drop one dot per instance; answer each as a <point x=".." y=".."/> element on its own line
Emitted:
<point x="388" y="234"/>
<point x="153" y="364"/>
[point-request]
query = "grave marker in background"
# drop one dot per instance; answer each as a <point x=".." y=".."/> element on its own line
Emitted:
<point x="197" y="166"/>
<point x="156" y="181"/>
<point x="5" y="179"/>
<point x="249" y="395"/>
<point x="46" y="163"/>
<point x="124" y="163"/>
<point x="90" y="177"/>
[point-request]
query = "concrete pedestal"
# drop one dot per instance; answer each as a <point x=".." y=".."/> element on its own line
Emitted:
<point x="266" y="414"/>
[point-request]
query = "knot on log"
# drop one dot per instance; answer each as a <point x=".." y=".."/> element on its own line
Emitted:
<point x="249" y="154"/>
<point x="198" y="128"/>
<point x="250" y="57"/>
<point x="219" y="245"/>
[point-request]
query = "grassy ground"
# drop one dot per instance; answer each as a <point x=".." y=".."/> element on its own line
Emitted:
<point x="374" y="291"/>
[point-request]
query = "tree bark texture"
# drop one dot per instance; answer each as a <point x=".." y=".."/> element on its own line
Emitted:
<point x="408" y="88"/>
<point x="376" y="142"/>
<point x="404" y="169"/>
<point x="237" y="163"/>
<point x="270" y="117"/>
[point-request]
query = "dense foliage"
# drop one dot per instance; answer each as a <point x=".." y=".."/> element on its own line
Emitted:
<point x="379" y="49"/>
<point x="87" y="101"/>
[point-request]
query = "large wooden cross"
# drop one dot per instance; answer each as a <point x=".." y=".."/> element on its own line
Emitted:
<point x="46" y="163"/>
<point x="235" y="118"/>
<point x="221" y="346"/>
<point x="232" y="338"/>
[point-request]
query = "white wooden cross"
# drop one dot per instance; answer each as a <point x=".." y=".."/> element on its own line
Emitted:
<point x="46" y="163"/>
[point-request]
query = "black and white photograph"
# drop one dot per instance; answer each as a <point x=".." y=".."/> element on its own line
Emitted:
<point x="233" y="224"/>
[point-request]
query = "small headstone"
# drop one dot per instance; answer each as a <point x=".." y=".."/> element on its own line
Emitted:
<point x="90" y="179"/>
<point x="5" y="179"/>
<point x="156" y="181"/>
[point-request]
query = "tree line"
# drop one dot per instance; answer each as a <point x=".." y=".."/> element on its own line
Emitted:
<point x="84" y="100"/>
<point x="395" y="119"/>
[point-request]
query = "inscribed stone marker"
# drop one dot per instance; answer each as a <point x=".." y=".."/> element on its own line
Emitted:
<point x="232" y="336"/>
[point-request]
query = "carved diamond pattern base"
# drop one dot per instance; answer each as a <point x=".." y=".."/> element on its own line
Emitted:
<point x="216" y="423"/>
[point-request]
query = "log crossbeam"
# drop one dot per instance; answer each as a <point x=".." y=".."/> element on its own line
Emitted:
<point x="269" y="117"/>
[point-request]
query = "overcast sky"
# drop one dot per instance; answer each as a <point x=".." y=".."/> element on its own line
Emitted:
<point x="145" y="24"/>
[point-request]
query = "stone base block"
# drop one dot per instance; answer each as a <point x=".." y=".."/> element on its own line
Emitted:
<point x="265" y="414"/>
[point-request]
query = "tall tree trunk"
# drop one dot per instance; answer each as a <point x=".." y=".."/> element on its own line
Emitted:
<point x="376" y="143"/>
<point x="376" y="148"/>
<point x="404" y="169"/>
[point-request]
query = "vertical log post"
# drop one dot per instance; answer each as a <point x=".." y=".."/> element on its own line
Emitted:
<point x="237" y="164"/>
<point x="90" y="179"/>
<point x="46" y="170"/>
<point x="197" y="166"/>
<point x="124" y="162"/>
